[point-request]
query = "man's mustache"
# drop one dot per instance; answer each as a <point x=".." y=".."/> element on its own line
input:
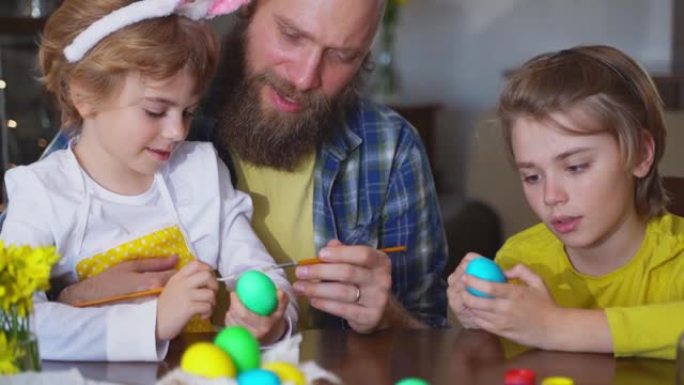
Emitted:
<point x="289" y="91"/>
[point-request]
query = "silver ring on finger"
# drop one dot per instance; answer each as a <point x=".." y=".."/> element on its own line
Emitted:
<point x="358" y="295"/>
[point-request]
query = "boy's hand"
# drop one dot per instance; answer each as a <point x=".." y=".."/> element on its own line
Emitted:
<point x="456" y="292"/>
<point x="190" y="291"/>
<point x="522" y="313"/>
<point x="266" y="329"/>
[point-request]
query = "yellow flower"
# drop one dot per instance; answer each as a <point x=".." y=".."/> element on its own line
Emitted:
<point x="7" y="356"/>
<point x="23" y="271"/>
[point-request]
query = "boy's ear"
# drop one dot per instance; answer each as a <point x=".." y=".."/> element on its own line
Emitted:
<point x="79" y="97"/>
<point x="646" y="155"/>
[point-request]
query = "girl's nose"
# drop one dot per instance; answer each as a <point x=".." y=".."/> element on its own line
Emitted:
<point x="176" y="129"/>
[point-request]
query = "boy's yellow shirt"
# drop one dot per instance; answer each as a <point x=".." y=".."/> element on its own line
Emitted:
<point x="283" y="213"/>
<point x="643" y="299"/>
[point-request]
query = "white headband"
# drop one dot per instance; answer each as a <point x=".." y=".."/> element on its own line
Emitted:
<point x="142" y="10"/>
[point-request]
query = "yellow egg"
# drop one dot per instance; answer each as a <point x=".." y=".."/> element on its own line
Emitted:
<point x="286" y="372"/>
<point x="207" y="360"/>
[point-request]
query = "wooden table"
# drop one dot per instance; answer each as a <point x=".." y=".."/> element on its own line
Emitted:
<point x="446" y="356"/>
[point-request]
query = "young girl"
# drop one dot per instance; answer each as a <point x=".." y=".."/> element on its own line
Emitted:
<point x="603" y="271"/>
<point x="129" y="75"/>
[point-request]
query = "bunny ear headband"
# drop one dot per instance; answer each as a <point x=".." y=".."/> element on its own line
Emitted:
<point x="142" y="10"/>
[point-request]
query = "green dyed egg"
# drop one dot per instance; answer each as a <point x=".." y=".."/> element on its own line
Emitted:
<point x="241" y="346"/>
<point x="412" y="381"/>
<point x="257" y="292"/>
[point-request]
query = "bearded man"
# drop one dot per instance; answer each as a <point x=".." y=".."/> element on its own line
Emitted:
<point x="323" y="164"/>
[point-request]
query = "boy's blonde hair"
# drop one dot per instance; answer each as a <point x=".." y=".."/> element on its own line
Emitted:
<point x="158" y="48"/>
<point x="606" y="91"/>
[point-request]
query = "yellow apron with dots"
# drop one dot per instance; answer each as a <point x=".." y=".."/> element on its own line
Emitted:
<point x="161" y="243"/>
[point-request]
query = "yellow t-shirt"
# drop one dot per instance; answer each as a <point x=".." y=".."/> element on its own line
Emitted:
<point x="643" y="300"/>
<point x="283" y="213"/>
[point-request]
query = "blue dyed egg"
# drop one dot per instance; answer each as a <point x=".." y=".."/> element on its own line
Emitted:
<point x="486" y="269"/>
<point x="258" y="377"/>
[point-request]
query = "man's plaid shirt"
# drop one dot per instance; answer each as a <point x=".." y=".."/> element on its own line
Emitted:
<point x="373" y="186"/>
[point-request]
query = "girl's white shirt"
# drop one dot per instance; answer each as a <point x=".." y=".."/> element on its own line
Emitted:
<point x="54" y="202"/>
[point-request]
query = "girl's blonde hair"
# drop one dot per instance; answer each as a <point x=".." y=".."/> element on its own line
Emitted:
<point x="157" y="48"/>
<point x="604" y="86"/>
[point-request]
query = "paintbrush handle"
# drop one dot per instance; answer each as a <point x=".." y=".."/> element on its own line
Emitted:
<point x="304" y="262"/>
<point x="157" y="291"/>
<point x="121" y="297"/>
<point x="308" y="261"/>
<point x="393" y="249"/>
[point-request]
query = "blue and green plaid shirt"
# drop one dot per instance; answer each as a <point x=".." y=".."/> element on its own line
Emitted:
<point x="373" y="186"/>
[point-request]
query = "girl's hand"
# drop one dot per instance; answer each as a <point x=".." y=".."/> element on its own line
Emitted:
<point x="125" y="277"/>
<point x="457" y="291"/>
<point x="266" y="329"/>
<point x="522" y="313"/>
<point x="190" y="291"/>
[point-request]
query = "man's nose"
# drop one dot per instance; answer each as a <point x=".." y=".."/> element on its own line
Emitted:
<point x="306" y="73"/>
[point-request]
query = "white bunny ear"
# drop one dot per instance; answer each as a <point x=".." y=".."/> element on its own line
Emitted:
<point x="195" y="10"/>
<point x="122" y="17"/>
<point x="142" y="10"/>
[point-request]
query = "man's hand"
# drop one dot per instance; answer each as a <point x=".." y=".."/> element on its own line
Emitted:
<point x="354" y="283"/>
<point x="125" y="277"/>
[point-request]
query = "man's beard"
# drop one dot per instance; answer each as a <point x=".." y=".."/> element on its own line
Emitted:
<point x="266" y="136"/>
